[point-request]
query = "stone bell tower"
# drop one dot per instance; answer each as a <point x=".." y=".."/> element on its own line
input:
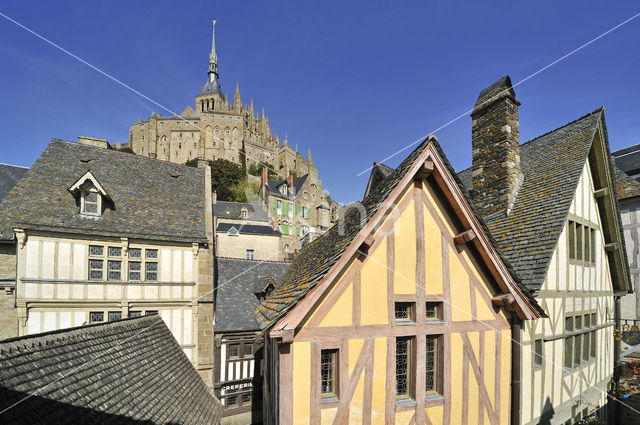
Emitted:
<point x="210" y="97"/>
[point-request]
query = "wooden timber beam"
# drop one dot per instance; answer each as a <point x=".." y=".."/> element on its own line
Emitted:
<point x="425" y="170"/>
<point x="366" y="244"/>
<point x="464" y="237"/>
<point x="612" y="246"/>
<point x="600" y="193"/>
<point x="504" y="300"/>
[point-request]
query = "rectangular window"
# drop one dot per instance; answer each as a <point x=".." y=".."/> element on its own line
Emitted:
<point x="96" y="250"/>
<point x="537" y="359"/>
<point x="593" y="245"/>
<point x="278" y="207"/>
<point x="114" y="269"/>
<point x="404" y="312"/>
<point x="91" y="203"/>
<point x="151" y="271"/>
<point x="135" y="313"/>
<point x="433" y="311"/>
<point x="329" y="373"/>
<point x="404" y="369"/>
<point x="250" y="254"/>
<point x="247" y="349"/>
<point x="150" y="312"/>
<point x="568" y="343"/>
<point x="587" y="245"/>
<point x="151" y="253"/>
<point x="572" y="240"/>
<point x="431" y="365"/>
<point x="115" y="315"/>
<point x="577" y="343"/>
<point x="232" y="400"/>
<point x="115" y="251"/>
<point x="135" y="252"/>
<point x="234" y="350"/>
<point x="96" y="316"/>
<point x="134" y="270"/>
<point x="593" y="344"/>
<point x="579" y="244"/>
<point x="246" y="398"/>
<point x="95" y="269"/>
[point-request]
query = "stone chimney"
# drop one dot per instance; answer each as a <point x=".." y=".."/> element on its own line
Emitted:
<point x="496" y="171"/>
<point x="92" y="141"/>
<point x="264" y="178"/>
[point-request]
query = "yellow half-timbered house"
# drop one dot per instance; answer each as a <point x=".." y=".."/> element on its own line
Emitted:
<point x="399" y="314"/>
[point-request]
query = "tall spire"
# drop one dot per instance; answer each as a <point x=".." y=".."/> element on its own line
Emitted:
<point x="237" y="103"/>
<point x="213" y="57"/>
<point x="309" y="156"/>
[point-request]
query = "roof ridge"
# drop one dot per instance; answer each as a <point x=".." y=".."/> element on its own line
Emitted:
<point x="117" y="152"/>
<point x="600" y="109"/>
<point x="11" y="165"/>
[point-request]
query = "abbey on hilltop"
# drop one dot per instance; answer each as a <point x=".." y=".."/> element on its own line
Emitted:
<point x="216" y="129"/>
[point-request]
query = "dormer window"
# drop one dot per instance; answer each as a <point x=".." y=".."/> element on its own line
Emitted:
<point x="91" y="194"/>
<point x="244" y="214"/>
<point x="233" y="232"/>
<point x="283" y="189"/>
<point x="91" y="201"/>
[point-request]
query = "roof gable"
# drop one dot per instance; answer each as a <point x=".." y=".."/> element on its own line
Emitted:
<point x="9" y="176"/>
<point x="132" y="378"/>
<point x="88" y="177"/>
<point x="321" y="261"/>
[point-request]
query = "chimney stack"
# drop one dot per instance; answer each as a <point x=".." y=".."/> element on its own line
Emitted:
<point x="290" y="183"/>
<point x="496" y="171"/>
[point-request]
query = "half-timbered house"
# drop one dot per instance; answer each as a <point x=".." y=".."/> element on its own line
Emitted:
<point x="401" y="313"/>
<point x="551" y="205"/>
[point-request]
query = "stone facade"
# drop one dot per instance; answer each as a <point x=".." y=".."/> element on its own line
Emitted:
<point x="263" y="247"/>
<point x="496" y="152"/>
<point x="217" y="129"/>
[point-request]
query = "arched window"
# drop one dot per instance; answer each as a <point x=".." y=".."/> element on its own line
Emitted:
<point x="227" y="132"/>
<point x="217" y="131"/>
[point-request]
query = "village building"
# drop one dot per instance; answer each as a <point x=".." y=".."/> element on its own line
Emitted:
<point x="240" y="286"/>
<point x="130" y="371"/>
<point x="96" y="235"/>
<point x="401" y="313"/>
<point x="627" y="170"/>
<point x="551" y="205"/>
<point x="300" y="209"/>
<point x="245" y="231"/>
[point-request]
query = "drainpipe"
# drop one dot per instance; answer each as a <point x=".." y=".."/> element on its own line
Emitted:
<point x="516" y="327"/>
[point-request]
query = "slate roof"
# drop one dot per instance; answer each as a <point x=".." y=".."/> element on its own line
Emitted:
<point x="625" y="185"/>
<point x="151" y="199"/>
<point x="315" y="259"/>
<point x="248" y="229"/>
<point x="237" y="284"/>
<point x="211" y="87"/>
<point x="9" y="176"/>
<point x="233" y="210"/>
<point x="628" y="160"/>
<point x="552" y="165"/>
<point x="139" y="375"/>
<point x="272" y="187"/>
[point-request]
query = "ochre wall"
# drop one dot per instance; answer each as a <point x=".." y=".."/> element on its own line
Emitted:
<point x="414" y="259"/>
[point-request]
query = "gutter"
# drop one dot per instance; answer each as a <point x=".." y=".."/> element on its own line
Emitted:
<point x="516" y="326"/>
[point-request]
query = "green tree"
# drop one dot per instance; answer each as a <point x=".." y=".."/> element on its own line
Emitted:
<point x="225" y="177"/>
<point x="255" y="169"/>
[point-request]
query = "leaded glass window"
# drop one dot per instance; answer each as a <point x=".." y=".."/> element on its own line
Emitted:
<point x="151" y="253"/>
<point x="96" y="250"/>
<point x="115" y="251"/>
<point x="328" y="372"/>
<point x="135" y="252"/>
<point x="403" y="366"/>
<point x="431" y="362"/>
<point x="433" y="311"/>
<point x="404" y="312"/>
<point x="115" y="315"/>
<point x="96" y="316"/>
<point x="151" y="271"/>
<point x="134" y="270"/>
<point x="114" y="269"/>
<point x="135" y="313"/>
<point x="95" y="269"/>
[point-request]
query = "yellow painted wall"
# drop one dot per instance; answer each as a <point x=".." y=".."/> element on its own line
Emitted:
<point x="374" y="315"/>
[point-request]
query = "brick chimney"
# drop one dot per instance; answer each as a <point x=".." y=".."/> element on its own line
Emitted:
<point x="290" y="183"/>
<point x="496" y="171"/>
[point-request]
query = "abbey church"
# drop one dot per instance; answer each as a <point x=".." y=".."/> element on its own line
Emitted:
<point x="216" y="129"/>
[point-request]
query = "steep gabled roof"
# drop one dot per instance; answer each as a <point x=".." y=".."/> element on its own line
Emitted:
<point x="552" y="165"/>
<point x="127" y="372"/>
<point x="148" y="198"/>
<point x="238" y="282"/>
<point x="379" y="172"/>
<point x="317" y="258"/>
<point x="233" y="210"/>
<point x="273" y="185"/>
<point x="9" y="176"/>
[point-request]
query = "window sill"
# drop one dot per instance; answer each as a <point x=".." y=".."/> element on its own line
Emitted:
<point x="433" y="399"/>
<point x="435" y="322"/>
<point x="405" y="323"/>
<point x="406" y="401"/>
<point x="329" y="400"/>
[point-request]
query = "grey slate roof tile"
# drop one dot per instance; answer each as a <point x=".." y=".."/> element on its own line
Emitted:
<point x="248" y="229"/>
<point x="233" y="210"/>
<point x="237" y="284"/>
<point x="552" y="165"/>
<point x="628" y="160"/>
<point x="9" y="176"/>
<point x="150" y="198"/>
<point x="127" y="372"/>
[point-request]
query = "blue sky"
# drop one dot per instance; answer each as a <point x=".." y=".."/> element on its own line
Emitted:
<point x="354" y="81"/>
